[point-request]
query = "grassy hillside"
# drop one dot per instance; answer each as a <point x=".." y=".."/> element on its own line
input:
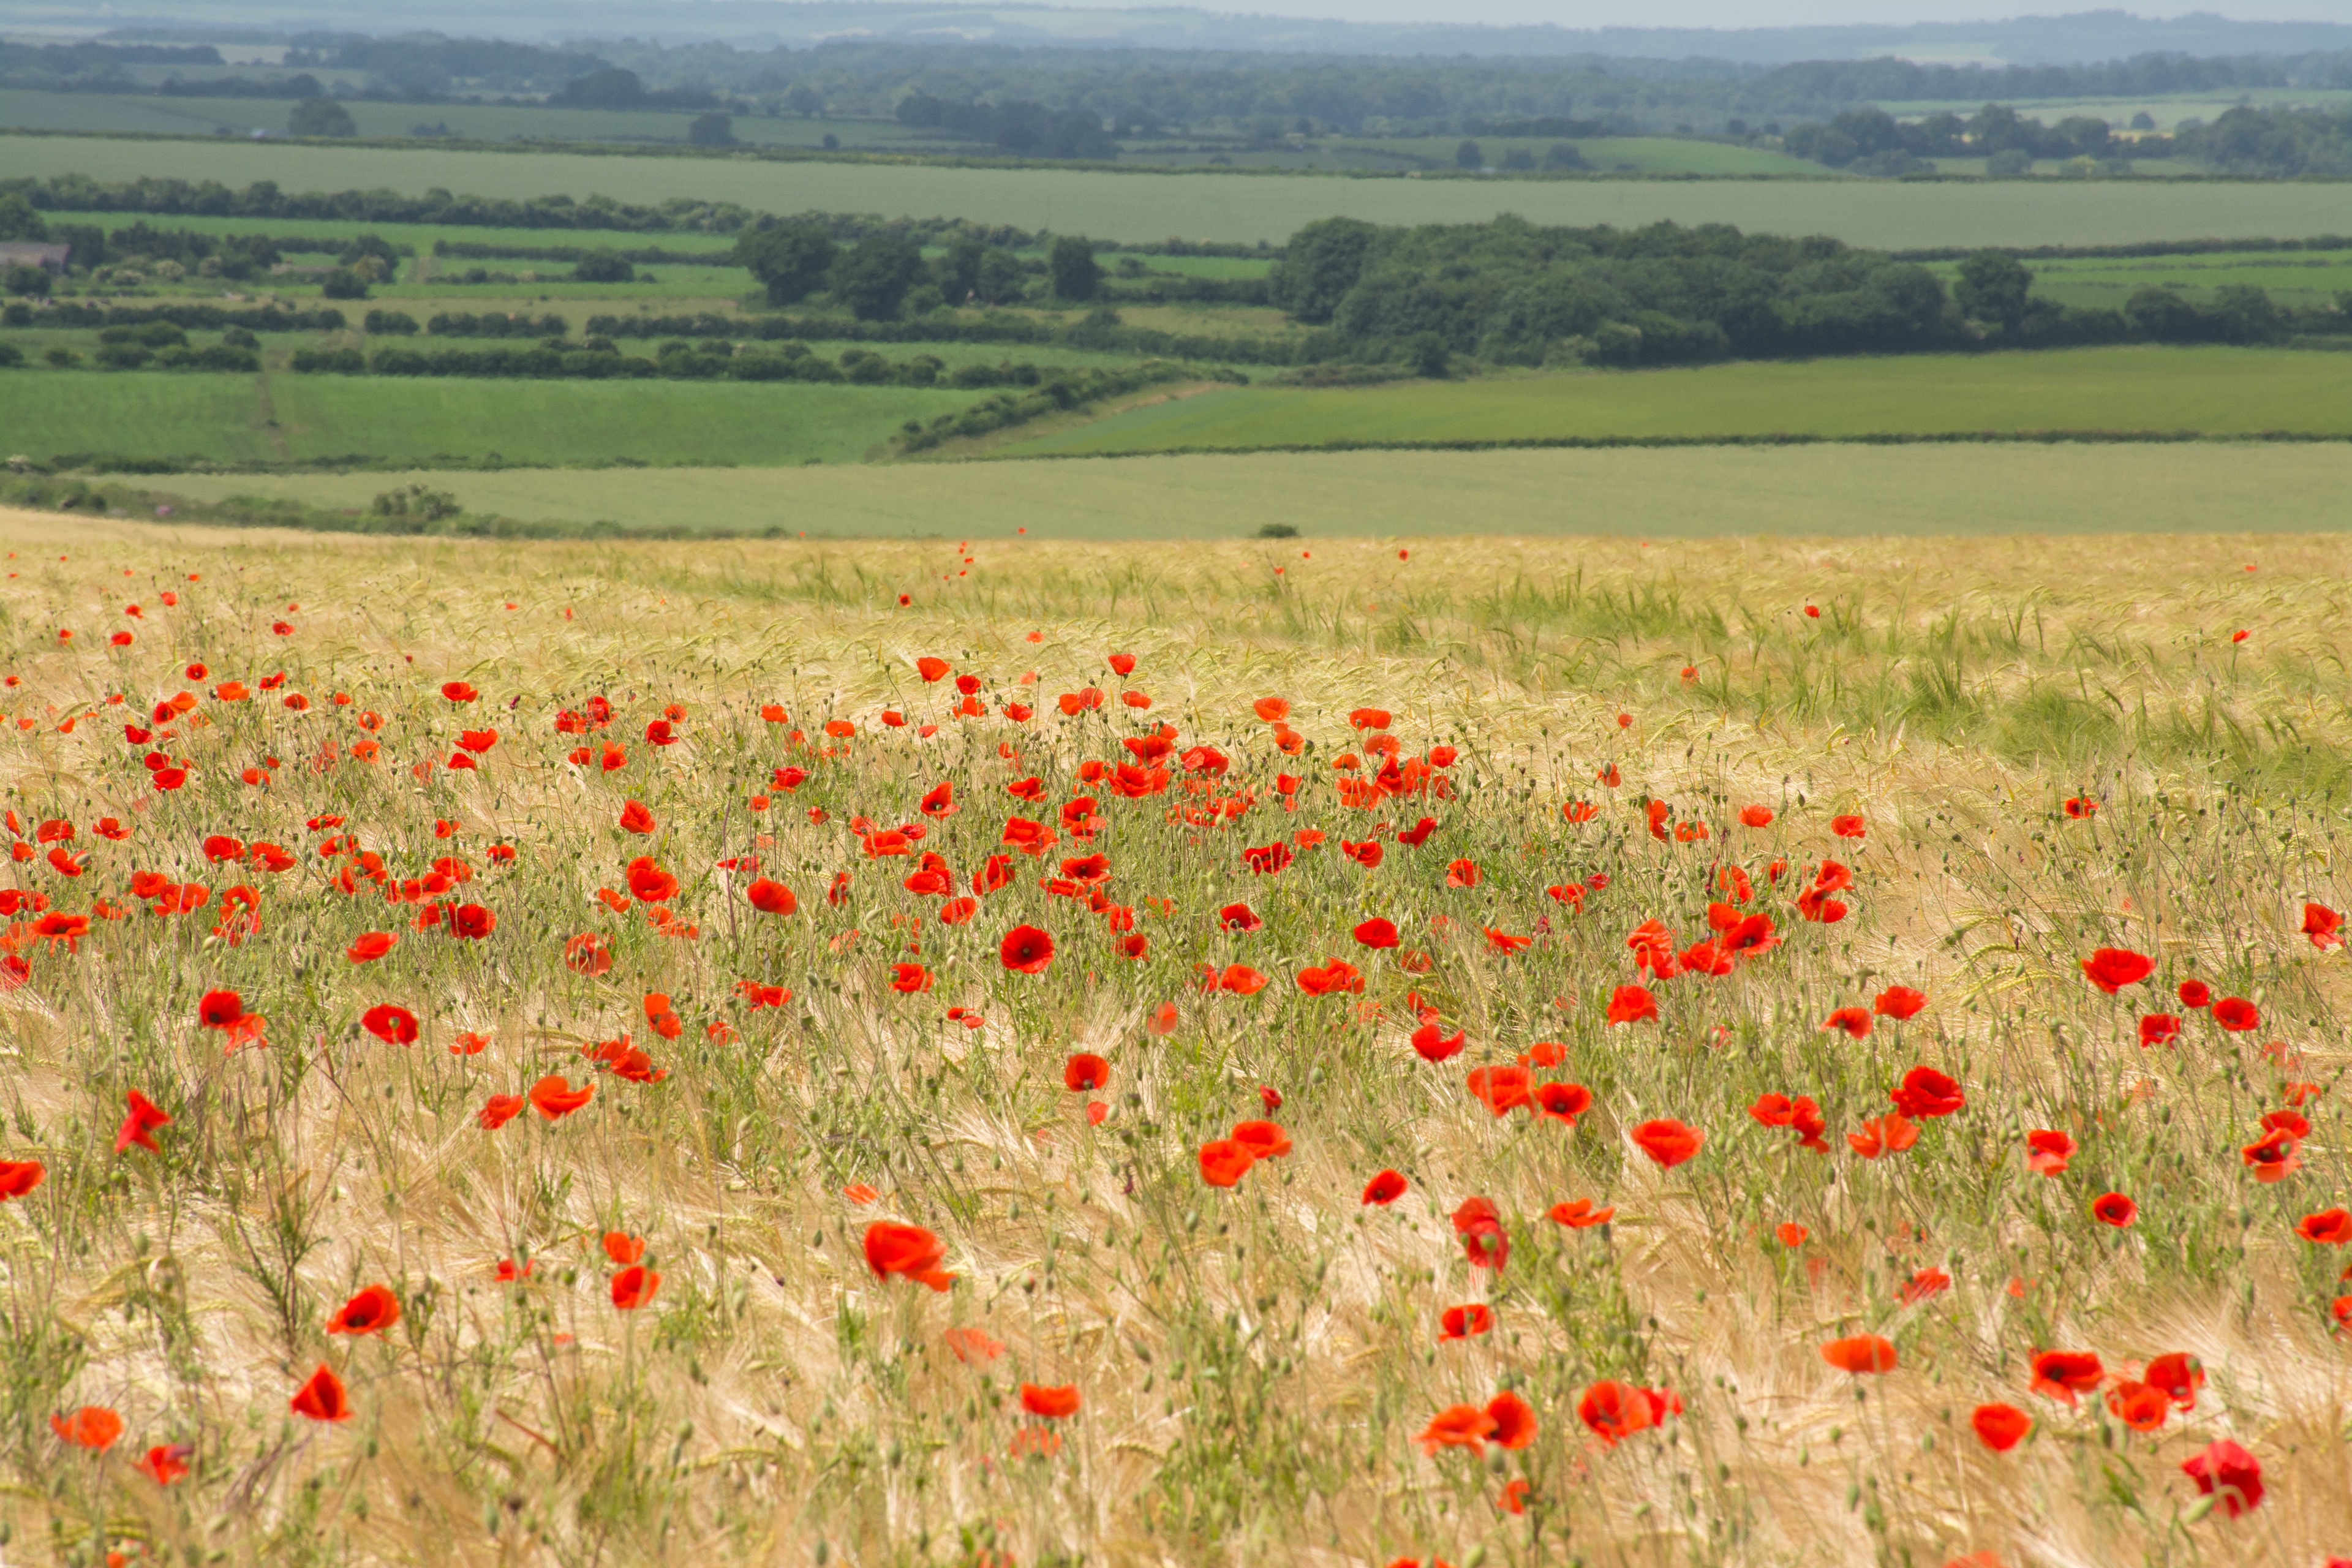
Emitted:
<point x="2219" y="391"/>
<point x="243" y="419"/>
<point x="1245" y="208"/>
<point x="1629" y="492"/>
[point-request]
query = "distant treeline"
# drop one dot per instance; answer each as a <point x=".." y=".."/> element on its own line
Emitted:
<point x="2264" y="141"/>
<point x="1511" y="292"/>
<point x="1100" y="329"/>
<point x="640" y="256"/>
<point x="598" y="359"/>
<point x="1037" y="100"/>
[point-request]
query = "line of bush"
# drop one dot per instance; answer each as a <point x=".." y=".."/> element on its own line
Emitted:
<point x="1596" y="443"/>
<point x="73" y="314"/>
<point x="640" y="256"/>
<point x="596" y="358"/>
<point x="2139" y="250"/>
<point x="1058" y="393"/>
<point x="1100" y="329"/>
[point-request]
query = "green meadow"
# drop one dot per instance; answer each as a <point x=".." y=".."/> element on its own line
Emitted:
<point x="2212" y="390"/>
<point x="308" y="418"/>
<point x="1628" y="492"/>
<point x="1136" y="204"/>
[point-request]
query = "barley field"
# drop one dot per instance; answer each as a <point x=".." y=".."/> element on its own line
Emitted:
<point x="1529" y="1051"/>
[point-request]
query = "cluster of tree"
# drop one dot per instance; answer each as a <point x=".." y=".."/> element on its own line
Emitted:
<point x="1097" y="328"/>
<point x="95" y="66"/>
<point x="2284" y="141"/>
<point x="610" y="87"/>
<point x="880" y="274"/>
<point x="1019" y="128"/>
<point x="640" y="255"/>
<point x="2243" y="141"/>
<point x="487" y="324"/>
<point x="1510" y="292"/>
<point x="427" y="63"/>
<point x="1871" y="141"/>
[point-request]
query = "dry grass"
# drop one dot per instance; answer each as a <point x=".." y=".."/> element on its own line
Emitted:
<point x="1253" y="1364"/>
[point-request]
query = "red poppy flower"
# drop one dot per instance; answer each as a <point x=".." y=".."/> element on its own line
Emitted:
<point x="1267" y="858"/>
<point x="1790" y="1234"/>
<point x="1755" y="816"/>
<point x="1562" y="1102"/>
<point x="93" y="1426"/>
<point x="2328" y="1227"/>
<point x="2271" y="1157"/>
<point x="166" y="1462"/>
<point x="1668" y="1143"/>
<point x="2195" y="994"/>
<point x="1860" y="1354"/>
<point x="908" y="1251"/>
<point x="1854" y="1021"/>
<point x="1085" y="1071"/>
<point x="1053" y="1402"/>
<point x="2112" y="968"/>
<point x="219" y="1009"/>
<point x="1462" y="874"/>
<point x="554" y="1098"/>
<point x="636" y="818"/>
<point x="500" y="1110"/>
<point x="909" y="979"/>
<point x="1456" y="1426"/>
<point x="2324" y="926"/>
<point x="1238" y="917"/>
<point x="1376" y="932"/>
<point x="397" y="1025"/>
<point x="370" y="946"/>
<point x="2063" y="1374"/>
<point x="1578" y="1214"/>
<point x="635" y="1285"/>
<point x="1384" y="1188"/>
<point x="1331" y="978"/>
<point x="1500" y="1088"/>
<point x="1224" y="1161"/>
<point x="322" y="1398"/>
<point x="1238" y="978"/>
<point x="1848" y="826"/>
<point x="1434" y="1045"/>
<point x="2115" y="1209"/>
<point x="1484" y="1242"/>
<point x="1632" y="1004"/>
<point x="1889" y="1134"/>
<point x="1899" y="1002"/>
<point x="1265" y="1140"/>
<point x="1614" y="1411"/>
<point x="455" y="691"/>
<point x="19" y="1177"/>
<point x="588" y="954"/>
<point x="138" y="1123"/>
<point x="2223" y="1470"/>
<point x="2237" y="1014"/>
<point x="2178" y="1375"/>
<point x="372" y="1310"/>
<point x="1026" y="950"/>
<point x="1515" y="1421"/>
<point x="972" y="1346"/>
<point x="2159" y="1028"/>
<point x="650" y="882"/>
<point x="1463" y="1322"/>
<point x="2001" y="1428"/>
<point x="1925" y="1092"/>
<point x="2046" y="1153"/>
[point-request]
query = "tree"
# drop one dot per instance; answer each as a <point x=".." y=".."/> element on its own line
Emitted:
<point x="872" y="278"/>
<point x="1467" y="156"/>
<point x="958" y="272"/>
<point x="1071" y="264"/>
<point x="1000" y="281"/>
<point x="604" y="266"/>
<point x="320" y="117"/>
<point x="1994" y="287"/>
<point x="711" y="130"/>
<point x="610" y="87"/>
<point x="1319" y="264"/>
<point x="18" y="220"/>
<point x="790" y="260"/>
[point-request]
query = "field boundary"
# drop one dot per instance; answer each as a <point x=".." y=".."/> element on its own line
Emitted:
<point x="1792" y="439"/>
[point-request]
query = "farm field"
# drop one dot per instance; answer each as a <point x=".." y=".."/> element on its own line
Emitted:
<point x="2290" y="278"/>
<point x="1846" y="1087"/>
<point x="274" y="419"/>
<point x="1627" y="492"/>
<point x="2215" y="391"/>
<point x="1228" y="208"/>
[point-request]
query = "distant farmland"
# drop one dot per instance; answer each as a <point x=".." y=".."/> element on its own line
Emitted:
<point x="2212" y="391"/>
<point x="1247" y="207"/>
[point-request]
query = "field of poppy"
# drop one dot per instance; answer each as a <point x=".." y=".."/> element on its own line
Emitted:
<point x="1450" y="1050"/>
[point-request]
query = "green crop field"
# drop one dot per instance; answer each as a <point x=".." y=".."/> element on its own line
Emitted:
<point x="1626" y="492"/>
<point x="244" y="418"/>
<point x="2291" y="278"/>
<point x="1138" y="206"/>
<point x="2215" y="391"/>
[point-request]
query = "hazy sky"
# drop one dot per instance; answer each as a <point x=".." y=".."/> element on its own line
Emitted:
<point x="1738" y="13"/>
